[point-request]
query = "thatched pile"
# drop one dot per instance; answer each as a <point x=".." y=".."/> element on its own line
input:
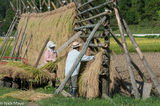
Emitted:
<point x="31" y="75"/>
<point x="89" y="79"/>
<point x="58" y="24"/>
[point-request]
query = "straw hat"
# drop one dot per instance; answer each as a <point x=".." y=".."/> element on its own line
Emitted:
<point x="75" y="44"/>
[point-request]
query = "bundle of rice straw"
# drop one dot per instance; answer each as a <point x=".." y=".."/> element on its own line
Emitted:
<point x="58" y="24"/>
<point x="89" y="79"/>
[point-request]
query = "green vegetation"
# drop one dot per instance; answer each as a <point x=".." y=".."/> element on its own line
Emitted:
<point x="9" y="49"/>
<point x="119" y="100"/>
<point x="146" y="44"/>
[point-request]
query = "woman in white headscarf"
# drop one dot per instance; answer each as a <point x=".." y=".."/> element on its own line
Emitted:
<point x="50" y="54"/>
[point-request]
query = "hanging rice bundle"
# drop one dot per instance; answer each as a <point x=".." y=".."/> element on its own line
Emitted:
<point x="89" y="79"/>
<point x="58" y="24"/>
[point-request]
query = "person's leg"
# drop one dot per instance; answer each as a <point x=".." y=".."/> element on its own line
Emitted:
<point x="70" y="86"/>
<point x="74" y="85"/>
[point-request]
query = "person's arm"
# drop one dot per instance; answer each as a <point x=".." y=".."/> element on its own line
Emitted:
<point x="87" y="58"/>
<point x="46" y="57"/>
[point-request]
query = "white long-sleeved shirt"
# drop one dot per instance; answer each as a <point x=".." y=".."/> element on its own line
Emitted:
<point x="71" y="58"/>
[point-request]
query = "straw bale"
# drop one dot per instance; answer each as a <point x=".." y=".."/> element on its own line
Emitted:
<point x="89" y="79"/>
<point x="58" y="24"/>
<point x="27" y="73"/>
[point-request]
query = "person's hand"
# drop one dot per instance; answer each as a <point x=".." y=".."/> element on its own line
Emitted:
<point x="94" y="57"/>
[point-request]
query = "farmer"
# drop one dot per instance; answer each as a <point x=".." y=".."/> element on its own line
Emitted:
<point x="71" y="58"/>
<point x="50" y="56"/>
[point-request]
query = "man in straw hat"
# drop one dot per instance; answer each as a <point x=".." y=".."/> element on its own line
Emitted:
<point x="71" y="58"/>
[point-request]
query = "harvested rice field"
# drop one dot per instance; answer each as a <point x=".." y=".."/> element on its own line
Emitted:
<point x="152" y="58"/>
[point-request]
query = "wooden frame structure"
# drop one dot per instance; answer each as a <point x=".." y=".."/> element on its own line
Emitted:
<point x="92" y="19"/>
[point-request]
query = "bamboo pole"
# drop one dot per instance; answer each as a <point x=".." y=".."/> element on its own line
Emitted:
<point x="40" y="5"/>
<point x="13" y="8"/>
<point x="85" y="27"/>
<point x="28" y="43"/>
<point x="41" y="52"/>
<point x="24" y="6"/>
<point x="49" y="5"/>
<point x="33" y="8"/>
<point x="53" y="5"/>
<point x="85" y="4"/>
<point x="6" y="36"/>
<point x="85" y="46"/>
<point x="75" y="36"/>
<point x="23" y="38"/>
<point x="9" y="44"/>
<point x="34" y="4"/>
<point x="16" y="40"/>
<point x="142" y="57"/>
<point x="99" y="6"/>
<point x="93" y="17"/>
<point x="135" y="66"/>
<point x="136" y="93"/>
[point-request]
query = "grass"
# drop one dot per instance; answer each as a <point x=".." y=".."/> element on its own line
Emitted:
<point x="148" y="27"/>
<point x="9" y="49"/>
<point x="119" y="100"/>
<point x="145" y="44"/>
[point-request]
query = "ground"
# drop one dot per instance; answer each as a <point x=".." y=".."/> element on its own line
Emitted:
<point x="153" y="60"/>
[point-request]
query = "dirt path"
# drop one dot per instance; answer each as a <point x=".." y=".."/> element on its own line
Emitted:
<point x="152" y="58"/>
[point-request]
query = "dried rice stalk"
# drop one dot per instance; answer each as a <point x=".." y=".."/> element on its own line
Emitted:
<point x="57" y="24"/>
<point x="27" y="95"/>
<point x="89" y="80"/>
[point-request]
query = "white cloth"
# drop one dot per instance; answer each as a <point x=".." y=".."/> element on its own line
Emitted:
<point x="49" y="45"/>
<point x="71" y="58"/>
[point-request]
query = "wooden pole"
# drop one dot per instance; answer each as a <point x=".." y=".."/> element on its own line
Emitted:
<point x="53" y="6"/>
<point x="135" y="66"/>
<point x="26" y="49"/>
<point x="99" y="6"/>
<point x="40" y="5"/>
<point x="93" y="17"/>
<point x="49" y="5"/>
<point x="142" y="57"/>
<point x="23" y="38"/>
<point x="136" y="93"/>
<point x="85" y="27"/>
<point x="14" y="9"/>
<point x="59" y="1"/>
<point x="16" y="41"/>
<point x="40" y="54"/>
<point x="6" y="36"/>
<point x="9" y="44"/>
<point x="85" y="46"/>
<point x="75" y="36"/>
<point x="33" y="8"/>
<point x="34" y="4"/>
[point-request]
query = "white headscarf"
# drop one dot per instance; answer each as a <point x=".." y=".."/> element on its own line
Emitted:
<point x="49" y="45"/>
